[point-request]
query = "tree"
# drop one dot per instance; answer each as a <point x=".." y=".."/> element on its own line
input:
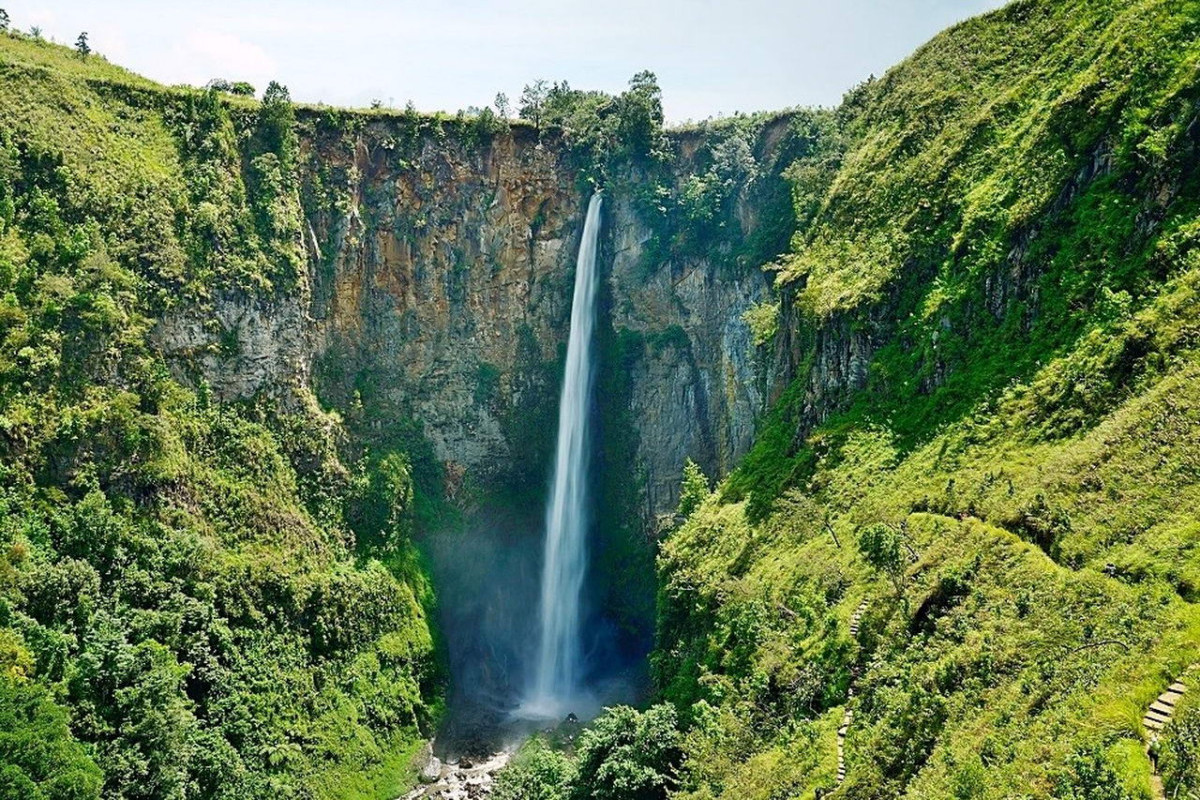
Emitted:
<point x="36" y="32"/>
<point x="502" y="106"/>
<point x="640" y="115"/>
<point x="487" y="124"/>
<point x="533" y="102"/>
<point x="38" y="756"/>
<point x="645" y="85"/>
<point x="537" y="773"/>
<point x="276" y="94"/>
<point x="629" y="755"/>
<point x="82" y="47"/>
<point x="222" y="85"/>
<point x="694" y="490"/>
<point x="883" y="547"/>
<point x="276" y="124"/>
<point x="4" y="20"/>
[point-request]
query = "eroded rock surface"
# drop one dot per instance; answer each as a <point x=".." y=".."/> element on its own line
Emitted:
<point x="439" y="290"/>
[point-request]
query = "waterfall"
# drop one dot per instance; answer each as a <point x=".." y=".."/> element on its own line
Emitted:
<point x="558" y="667"/>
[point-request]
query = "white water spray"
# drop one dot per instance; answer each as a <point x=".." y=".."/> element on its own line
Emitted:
<point x="557" y="680"/>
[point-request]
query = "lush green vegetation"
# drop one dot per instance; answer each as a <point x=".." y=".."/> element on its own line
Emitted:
<point x="1008" y="490"/>
<point x="991" y="448"/>
<point x="624" y="755"/>
<point x="601" y="130"/>
<point x="688" y="181"/>
<point x="197" y="599"/>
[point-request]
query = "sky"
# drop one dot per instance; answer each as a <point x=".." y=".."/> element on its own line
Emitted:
<point x="712" y="57"/>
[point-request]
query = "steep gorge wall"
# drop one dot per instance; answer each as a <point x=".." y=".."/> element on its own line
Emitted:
<point x="698" y="382"/>
<point x="990" y="321"/>
<point x="440" y="271"/>
<point x="445" y="292"/>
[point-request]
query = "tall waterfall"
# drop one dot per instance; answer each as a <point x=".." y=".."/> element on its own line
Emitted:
<point x="558" y="667"/>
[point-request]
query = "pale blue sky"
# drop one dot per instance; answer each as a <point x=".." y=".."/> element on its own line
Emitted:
<point x="711" y="56"/>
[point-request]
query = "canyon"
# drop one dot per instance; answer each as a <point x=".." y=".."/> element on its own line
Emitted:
<point x="431" y="316"/>
<point x="446" y="276"/>
<point x="893" y="459"/>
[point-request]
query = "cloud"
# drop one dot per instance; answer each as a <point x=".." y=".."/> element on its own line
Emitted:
<point x="204" y="54"/>
<point x="224" y="54"/>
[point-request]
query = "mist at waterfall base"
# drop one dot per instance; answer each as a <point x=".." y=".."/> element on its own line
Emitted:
<point x="526" y="637"/>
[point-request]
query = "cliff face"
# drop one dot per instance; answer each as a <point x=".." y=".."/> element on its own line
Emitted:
<point x="696" y="384"/>
<point x="987" y="437"/>
<point x="445" y="291"/>
<point x="439" y="292"/>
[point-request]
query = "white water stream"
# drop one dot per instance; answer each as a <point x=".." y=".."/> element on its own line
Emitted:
<point x="557" y="681"/>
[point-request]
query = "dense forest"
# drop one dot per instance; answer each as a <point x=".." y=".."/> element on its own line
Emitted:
<point x="199" y="599"/>
<point x="960" y="559"/>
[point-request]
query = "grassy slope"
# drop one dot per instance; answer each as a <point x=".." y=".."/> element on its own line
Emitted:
<point x="179" y="576"/>
<point x="1018" y="450"/>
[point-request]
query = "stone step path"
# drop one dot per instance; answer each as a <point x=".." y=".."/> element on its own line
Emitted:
<point x="1160" y="711"/>
<point x="1154" y="720"/>
<point x="848" y="716"/>
<point x="856" y="618"/>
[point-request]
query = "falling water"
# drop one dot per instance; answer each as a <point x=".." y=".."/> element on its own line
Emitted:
<point x="558" y="667"/>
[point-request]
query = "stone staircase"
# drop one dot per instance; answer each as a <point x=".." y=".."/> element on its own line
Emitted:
<point x="1155" y="719"/>
<point x="848" y="717"/>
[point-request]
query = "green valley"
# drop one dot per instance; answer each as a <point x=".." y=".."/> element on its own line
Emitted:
<point x="892" y="444"/>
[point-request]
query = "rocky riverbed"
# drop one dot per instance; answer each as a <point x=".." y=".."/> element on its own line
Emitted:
<point x="465" y="779"/>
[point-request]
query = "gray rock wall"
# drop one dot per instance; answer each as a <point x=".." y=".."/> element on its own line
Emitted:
<point x="697" y="390"/>
<point x="440" y="279"/>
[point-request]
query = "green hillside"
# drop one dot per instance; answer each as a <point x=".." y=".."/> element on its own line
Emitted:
<point x="178" y="574"/>
<point x="961" y="559"/>
<point x="1009" y="494"/>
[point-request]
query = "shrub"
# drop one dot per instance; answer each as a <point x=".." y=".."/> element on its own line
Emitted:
<point x="763" y="319"/>
<point x="1179" y="751"/>
<point x="694" y="490"/>
<point x="628" y="755"/>
<point x="536" y="773"/>
<point x="39" y="760"/>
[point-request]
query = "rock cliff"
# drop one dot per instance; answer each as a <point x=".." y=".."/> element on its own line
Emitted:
<point x="440" y="271"/>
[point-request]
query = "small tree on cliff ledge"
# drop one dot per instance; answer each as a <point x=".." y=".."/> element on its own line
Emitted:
<point x="693" y="491"/>
<point x="533" y="102"/>
<point x="503" y="107"/>
<point x="276" y="125"/>
<point x="640" y="116"/>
